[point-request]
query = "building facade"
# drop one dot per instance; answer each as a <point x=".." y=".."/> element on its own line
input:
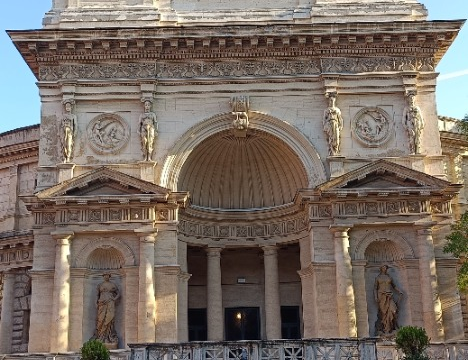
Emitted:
<point x="228" y="171"/>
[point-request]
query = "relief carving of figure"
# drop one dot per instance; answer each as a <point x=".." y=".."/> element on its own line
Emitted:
<point x="68" y="130"/>
<point x="387" y="315"/>
<point x="108" y="293"/>
<point x="240" y="109"/>
<point x="148" y="130"/>
<point x="413" y="123"/>
<point x="333" y="125"/>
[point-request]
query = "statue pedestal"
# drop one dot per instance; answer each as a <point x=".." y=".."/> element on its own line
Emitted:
<point x="147" y="170"/>
<point x="336" y="166"/>
<point x="65" y="171"/>
<point x="111" y="346"/>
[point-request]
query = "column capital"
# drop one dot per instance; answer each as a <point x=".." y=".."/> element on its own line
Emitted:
<point x="213" y="251"/>
<point x="424" y="231"/>
<point x="340" y="230"/>
<point x="8" y="274"/>
<point x="62" y="237"/>
<point x="148" y="238"/>
<point x="269" y="250"/>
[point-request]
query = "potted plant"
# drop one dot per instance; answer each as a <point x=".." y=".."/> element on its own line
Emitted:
<point x="94" y="350"/>
<point x="412" y="341"/>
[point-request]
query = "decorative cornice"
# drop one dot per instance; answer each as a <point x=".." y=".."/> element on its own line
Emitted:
<point x="129" y="46"/>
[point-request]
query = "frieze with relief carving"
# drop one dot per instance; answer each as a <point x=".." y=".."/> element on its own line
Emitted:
<point x="372" y="127"/>
<point x="377" y="208"/>
<point x="239" y="68"/>
<point x="108" y="134"/>
<point x="287" y="227"/>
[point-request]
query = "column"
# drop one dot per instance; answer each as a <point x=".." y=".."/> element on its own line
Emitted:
<point x="61" y="299"/>
<point x="146" y="301"/>
<point x="214" y="295"/>
<point x="431" y="306"/>
<point x="6" y="322"/>
<point x="344" y="284"/>
<point x="272" y="295"/>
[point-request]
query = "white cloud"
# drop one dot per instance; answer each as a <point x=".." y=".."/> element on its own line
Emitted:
<point x="452" y="75"/>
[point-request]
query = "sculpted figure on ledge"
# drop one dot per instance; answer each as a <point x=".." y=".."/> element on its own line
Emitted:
<point x="108" y="293"/>
<point x="387" y="315"/>
<point x="68" y="128"/>
<point x="333" y="124"/>
<point x="413" y="122"/>
<point x="148" y="130"/>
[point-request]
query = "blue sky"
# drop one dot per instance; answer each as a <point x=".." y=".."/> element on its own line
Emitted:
<point x="20" y="103"/>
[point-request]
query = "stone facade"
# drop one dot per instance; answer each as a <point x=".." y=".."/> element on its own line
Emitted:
<point x="243" y="181"/>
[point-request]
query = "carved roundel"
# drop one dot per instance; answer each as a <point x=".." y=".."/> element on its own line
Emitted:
<point x="372" y="126"/>
<point x="108" y="134"/>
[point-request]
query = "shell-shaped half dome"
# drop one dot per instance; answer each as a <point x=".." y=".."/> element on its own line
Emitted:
<point x="252" y="172"/>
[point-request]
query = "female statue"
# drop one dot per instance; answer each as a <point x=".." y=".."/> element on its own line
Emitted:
<point x="68" y="132"/>
<point x="333" y="125"/>
<point x="387" y="307"/>
<point x="413" y="122"/>
<point x="108" y="293"/>
<point x="148" y="131"/>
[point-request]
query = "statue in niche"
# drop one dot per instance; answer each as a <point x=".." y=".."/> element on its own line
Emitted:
<point x="240" y="109"/>
<point x="413" y="123"/>
<point x="108" y="293"/>
<point x="333" y="124"/>
<point x="68" y="129"/>
<point x="387" y="315"/>
<point x="148" y="130"/>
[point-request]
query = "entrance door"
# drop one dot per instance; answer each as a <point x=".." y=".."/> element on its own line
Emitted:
<point x="242" y="323"/>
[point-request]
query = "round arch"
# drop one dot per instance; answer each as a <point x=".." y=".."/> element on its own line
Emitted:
<point x="382" y="235"/>
<point x="298" y="143"/>
<point x="127" y="256"/>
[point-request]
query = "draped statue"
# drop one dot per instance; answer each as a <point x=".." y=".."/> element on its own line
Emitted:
<point x="333" y="125"/>
<point x="387" y="315"/>
<point x="413" y="123"/>
<point x="108" y="293"/>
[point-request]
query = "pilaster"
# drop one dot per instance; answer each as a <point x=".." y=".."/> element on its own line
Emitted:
<point x="360" y="297"/>
<point x="6" y="322"/>
<point x="146" y="301"/>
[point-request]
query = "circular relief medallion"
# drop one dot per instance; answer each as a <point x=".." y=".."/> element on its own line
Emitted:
<point x="108" y="134"/>
<point x="372" y="126"/>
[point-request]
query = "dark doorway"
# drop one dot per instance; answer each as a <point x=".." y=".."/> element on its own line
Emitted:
<point x="197" y="325"/>
<point x="290" y="322"/>
<point x="242" y="323"/>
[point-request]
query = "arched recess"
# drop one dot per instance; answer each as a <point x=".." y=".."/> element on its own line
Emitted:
<point x="298" y="143"/>
<point x="359" y="252"/>
<point x="112" y="244"/>
<point x="101" y="255"/>
<point x="377" y="248"/>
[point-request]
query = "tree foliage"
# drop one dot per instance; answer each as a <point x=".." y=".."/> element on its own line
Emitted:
<point x="463" y="125"/>
<point x="412" y="341"/>
<point x="457" y="244"/>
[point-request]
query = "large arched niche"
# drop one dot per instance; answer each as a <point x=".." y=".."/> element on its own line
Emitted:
<point x="274" y="157"/>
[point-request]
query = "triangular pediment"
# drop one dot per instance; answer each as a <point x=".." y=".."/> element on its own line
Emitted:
<point x="384" y="175"/>
<point x="103" y="182"/>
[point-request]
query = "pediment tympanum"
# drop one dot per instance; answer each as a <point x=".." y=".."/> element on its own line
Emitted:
<point x="384" y="176"/>
<point x="103" y="182"/>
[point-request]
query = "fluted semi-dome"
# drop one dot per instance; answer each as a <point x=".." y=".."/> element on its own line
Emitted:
<point x="229" y="172"/>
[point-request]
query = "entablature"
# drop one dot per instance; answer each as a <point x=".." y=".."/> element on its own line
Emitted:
<point x="429" y="39"/>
